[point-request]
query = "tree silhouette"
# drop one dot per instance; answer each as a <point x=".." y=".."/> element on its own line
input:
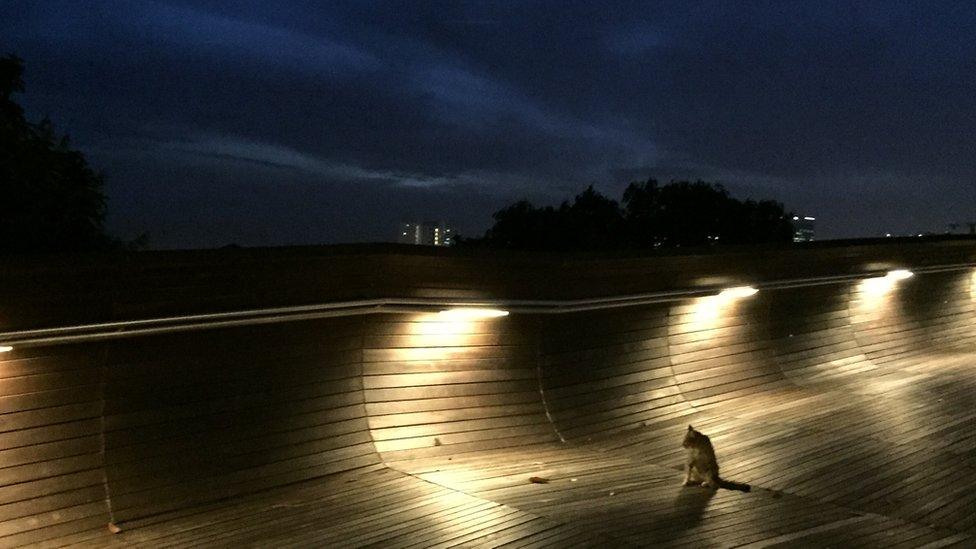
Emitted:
<point x="50" y="199"/>
<point x="678" y="214"/>
<point x="591" y="222"/>
<point x="522" y="226"/>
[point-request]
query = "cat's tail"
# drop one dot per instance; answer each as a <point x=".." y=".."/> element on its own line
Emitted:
<point x="729" y="485"/>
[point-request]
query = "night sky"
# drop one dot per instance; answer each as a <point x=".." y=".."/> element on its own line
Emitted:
<point x="273" y="123"/>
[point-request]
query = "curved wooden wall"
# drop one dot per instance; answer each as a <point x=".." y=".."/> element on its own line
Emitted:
<point x="51" y="464"/>
<point x="720" y="349"/>
<point x="210" y="415"/>
<point x="140" y="427"/>
<point x="146" y="426"/>
<point x="439" y="387"/>
<point x="716" y="351"/>
<point x="813" y="337"/>
<point x="608" y="371"/>
<point x="913" y="317"/>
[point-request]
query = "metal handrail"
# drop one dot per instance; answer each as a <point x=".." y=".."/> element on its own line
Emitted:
<point x="251" y="317"/>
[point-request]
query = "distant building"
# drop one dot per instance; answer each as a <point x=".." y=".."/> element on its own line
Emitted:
<point x="428" y="233"/>
<point x="803" y="228"/>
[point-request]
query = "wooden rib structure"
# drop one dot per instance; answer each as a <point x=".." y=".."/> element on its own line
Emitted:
<point x="848" y="406"/>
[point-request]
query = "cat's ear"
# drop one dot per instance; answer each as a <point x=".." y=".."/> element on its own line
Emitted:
<point x="690" y="428"/>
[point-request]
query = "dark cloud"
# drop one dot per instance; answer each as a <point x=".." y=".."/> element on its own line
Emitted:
<point x="255" y="123"/>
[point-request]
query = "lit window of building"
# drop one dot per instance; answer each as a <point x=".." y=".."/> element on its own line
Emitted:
<point x="803" y="228"/>
<point x="426" y="233"/>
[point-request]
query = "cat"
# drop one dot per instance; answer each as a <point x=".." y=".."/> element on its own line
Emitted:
<point x="701" y="468"/>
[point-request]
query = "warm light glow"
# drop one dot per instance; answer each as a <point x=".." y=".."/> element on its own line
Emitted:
<point x="877" y="286"/>
<point x="881" y="285"/>
<point x="738" y="292"/>
<point x="712" y="312"/>
<point x="6" y="348"/>
<point x="471" y="313"/>
<point x="899" y="274"/>
<point x="446" y="335"/>
<point x="707" y="312"/>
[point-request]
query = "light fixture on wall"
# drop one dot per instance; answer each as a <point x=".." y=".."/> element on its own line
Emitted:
<point x="471" y="313"/>
<point x="878" y="286"/>
<point x="899" y="274"/>
<point x="450" y="334"/>
<point x="707" y="312"/>
<point x="738" y="292"/>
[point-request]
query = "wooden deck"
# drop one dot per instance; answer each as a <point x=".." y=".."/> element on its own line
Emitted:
<point x="830" y="465"/>
<point x="377" y="507"/>
<point x="851" y="413"/>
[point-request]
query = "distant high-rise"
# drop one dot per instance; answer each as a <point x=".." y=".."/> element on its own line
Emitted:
<point x="427" y="233"/>
<point x="803" y="228"/>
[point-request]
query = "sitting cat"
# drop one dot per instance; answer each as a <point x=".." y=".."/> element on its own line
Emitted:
<point x="701" y="468"/>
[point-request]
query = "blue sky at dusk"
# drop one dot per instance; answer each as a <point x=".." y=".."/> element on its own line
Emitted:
<point x="271" y="123"/>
